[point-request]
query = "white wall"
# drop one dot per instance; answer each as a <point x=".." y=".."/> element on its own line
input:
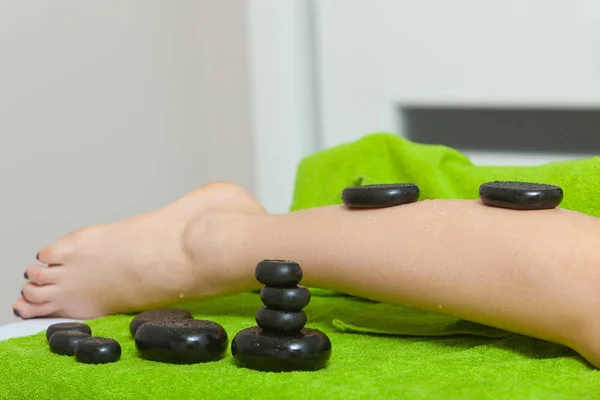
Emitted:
<point x="110" y="108"/>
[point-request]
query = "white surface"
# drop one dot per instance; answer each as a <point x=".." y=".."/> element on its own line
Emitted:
<point x="28" y="327"/>
<point x="111" y="108"/>
<point x="376" y="56"/>
<point x="282" y="95"/>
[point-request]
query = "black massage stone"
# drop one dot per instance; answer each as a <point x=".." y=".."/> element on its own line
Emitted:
<point x="98" y="350"/>
<point x="287" y="298"/>
<point x="67" y="326"/>
<point x="279" y="273"/>
<point x="158" y="313"/>
<point x="280" y="342"/>
<point x="308" y="350"/>
<point x="520" y="195"/>
<point x="181" y="341"/>
<point x="64" y="342"/>
<point x="280" y="322"/>
<point x="380" y="196"/>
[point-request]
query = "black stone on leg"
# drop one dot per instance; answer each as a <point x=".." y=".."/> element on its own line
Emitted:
<point x="380" y="196"/>
<point x="520" y="195"/>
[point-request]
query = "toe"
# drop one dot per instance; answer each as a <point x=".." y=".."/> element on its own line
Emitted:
<point x="26" y="310"/>
<point x="38" y="294"/>
<point x="53" y="255"/>
<point x="43" y="275"/>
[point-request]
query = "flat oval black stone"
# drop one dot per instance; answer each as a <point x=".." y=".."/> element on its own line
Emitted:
<point x="181" y="341"/>
<point x="280" y="273"/>
<point x="380" y="196"/>
<point x="158" y="313"/>
<point x="520" y="195"/>
<point x="97" y="350"/>
<point x="280" y="322"/>
<point x="309" y="350"/>
<point x="64" y="342"/>
<point x="67" y="326"/>
<point x="286" y="299"/>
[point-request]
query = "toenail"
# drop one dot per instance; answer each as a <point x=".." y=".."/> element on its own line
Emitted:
<point x="25" y="275"/>
<point x="17" y="313"/>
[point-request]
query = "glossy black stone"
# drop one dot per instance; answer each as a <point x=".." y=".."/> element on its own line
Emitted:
<point x="380" y="196"/>
<point x="280" y="273"/>
<point x="286" y="299"/>
<point x="181" y="341"/>
<point x="67" y="326"/>
<point x="97" y="350"/>
<point x="520" y="195"/>
<point x="280" y="322"/>
<point x="309" y="350"/>
<point x="158" y="313"/>
<point x="64" y="342"/>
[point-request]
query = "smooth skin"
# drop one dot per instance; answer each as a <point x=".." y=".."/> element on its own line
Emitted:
<point x="530" y="272"/>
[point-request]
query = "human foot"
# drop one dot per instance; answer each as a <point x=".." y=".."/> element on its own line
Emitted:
<point x="151" y="260"/>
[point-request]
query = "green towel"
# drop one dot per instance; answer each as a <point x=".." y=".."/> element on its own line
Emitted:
<point x="379" y="350"/>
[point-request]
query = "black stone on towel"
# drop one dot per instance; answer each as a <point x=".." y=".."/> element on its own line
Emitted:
<point x="520" y="195"/>
<point x="97" y="350"/>
<point x="309" y="350"/>
<point x="158" y="313"/>
<point x="181" y="341"/>
<point x="67" y="326"/>
<point x="380" y="196"/>
<point x="64" y="342"/>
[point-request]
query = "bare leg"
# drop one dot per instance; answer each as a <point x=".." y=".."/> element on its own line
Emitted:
<point x="533" y="272"/>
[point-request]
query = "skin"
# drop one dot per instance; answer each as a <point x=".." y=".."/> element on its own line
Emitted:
<point x="530" y="272"/>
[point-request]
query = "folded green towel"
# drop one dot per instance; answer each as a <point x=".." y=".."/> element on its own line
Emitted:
<point x="362" y="366"/>
<point x="439" y="171"/>
<point x="379" y="350"/>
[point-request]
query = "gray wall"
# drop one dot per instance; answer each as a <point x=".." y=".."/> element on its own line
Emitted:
<point x="112" y="108"/>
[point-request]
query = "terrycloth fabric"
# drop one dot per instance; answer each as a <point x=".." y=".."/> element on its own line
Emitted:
<point x="379" y="351"/>
<point x="362" y="366"/>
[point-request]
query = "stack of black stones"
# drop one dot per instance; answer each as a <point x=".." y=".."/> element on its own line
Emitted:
<point x="281" y="342"/>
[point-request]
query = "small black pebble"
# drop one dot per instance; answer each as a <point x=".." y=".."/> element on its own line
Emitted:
<point x="280" y="322"/>
<point x="64" y="342"/>
<point x="158" y="313"/>
<point x="181" y="341"/>
<point x="67" y="326"/>
<point x="280" y="273"/>
<point x="286" y="299"/>
<point x="380" y="196"/>
<point x="520" y="195"/>
<point x="97" y="350"/>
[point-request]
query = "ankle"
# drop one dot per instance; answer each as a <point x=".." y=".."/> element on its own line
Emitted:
<point x="219" y="245"/>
